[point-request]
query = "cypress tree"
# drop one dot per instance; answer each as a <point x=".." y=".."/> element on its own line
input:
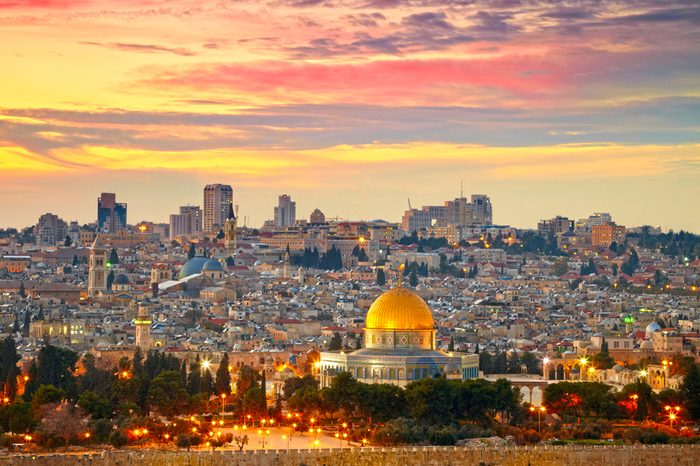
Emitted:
<point x="223" y="377"/>
<point x="22" y="290"/>
<point x="191" y="252"/>
<point x="27" y="323"/>
<point x="114" y="257"/>
<point x="381" y="277"/>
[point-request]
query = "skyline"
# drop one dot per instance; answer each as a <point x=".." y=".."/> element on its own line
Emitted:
<point x="564" y="109"/>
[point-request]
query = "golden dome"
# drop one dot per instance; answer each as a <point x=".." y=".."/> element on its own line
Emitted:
<point x="399" y="309"/>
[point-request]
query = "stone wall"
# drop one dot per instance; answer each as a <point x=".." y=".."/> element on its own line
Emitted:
<point x="657" y="455"/>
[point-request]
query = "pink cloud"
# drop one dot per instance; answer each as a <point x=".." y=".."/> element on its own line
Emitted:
<point x="525" y="77"/>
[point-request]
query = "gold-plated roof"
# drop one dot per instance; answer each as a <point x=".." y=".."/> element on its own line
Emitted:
<point x="399" y="309"/>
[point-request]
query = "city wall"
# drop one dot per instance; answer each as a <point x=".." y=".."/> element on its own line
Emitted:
<point x="657" y="455"/>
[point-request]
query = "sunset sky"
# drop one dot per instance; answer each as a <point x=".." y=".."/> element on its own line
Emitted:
<point x="352" y="106"/>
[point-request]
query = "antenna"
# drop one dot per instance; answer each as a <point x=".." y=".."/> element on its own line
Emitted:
<point x="409" y="204"/>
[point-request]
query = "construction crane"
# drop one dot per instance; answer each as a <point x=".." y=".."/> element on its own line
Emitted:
<point x="409" y="204"/>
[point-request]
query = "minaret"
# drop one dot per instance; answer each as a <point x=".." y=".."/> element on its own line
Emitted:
<point x="301" y="276"/>
<point x="143" y="328"/>
<point x="285" y="267"/>
<point x="230" y="238"/>
<point x="97" y="272"/>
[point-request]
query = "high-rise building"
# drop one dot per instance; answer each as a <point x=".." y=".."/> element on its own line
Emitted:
<point x="317" y="217"/>
<point x="50" y="230"/>
<point x="555" y="226"/>
<point x="187" y="222"/>
<point x="111" y="216"/>
<point x="217" y="198"/>
<point x="285" y="212"/>
<point x="459" y="212"/>
<point x="97" y="268"/>
<point x="483" y="211"/>
<point x="604" y="235"/>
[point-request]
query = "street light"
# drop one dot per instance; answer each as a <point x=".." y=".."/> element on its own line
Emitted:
<point x="672" y="413"/>
<point x="583" y="361"/>
<point x="539" y="410"/>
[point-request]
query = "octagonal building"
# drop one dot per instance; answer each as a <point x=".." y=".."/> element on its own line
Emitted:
<point x="399" y="346"/>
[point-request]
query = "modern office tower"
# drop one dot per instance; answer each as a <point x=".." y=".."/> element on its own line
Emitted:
<point x="187" y="222"/>
<point x="555" y="226"/>
<point x="483" y="211"/>
<point x="230" y="234"/>
<point x="50" y="230"/>
<point x="285" y="212"/>
<point x="317" y="217"/>
<point x="217" y="198"/>
<point x="111" y="216"/>
<point x="97" y="271"/>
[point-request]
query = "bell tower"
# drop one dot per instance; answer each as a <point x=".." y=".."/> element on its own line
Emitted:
<point x="97" y="272"/>
<point x="230" y="238"/>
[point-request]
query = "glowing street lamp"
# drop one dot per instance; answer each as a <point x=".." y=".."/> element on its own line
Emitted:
<point x="583" y="361"/>
<point x="540" y="410"/>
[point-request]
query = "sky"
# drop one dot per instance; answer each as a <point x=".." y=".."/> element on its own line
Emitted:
<point x="352" y="106"/>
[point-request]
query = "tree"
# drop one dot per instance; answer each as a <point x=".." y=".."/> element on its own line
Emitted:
<point x="8" y="357"/>
<point x="167" y="394"/>
<point x="451" y="345"/>
<point x="75" y="260"/>
<point x="22" y="291"/>
<point x="336" y="342"/>
<point x="113" y="257"/>
<point x="95" y="405"/>
<point x="33" y="383"/>
<point x="110" y="279"/>
<point x="241" y="441"/>
<point x="247" y="378"/>
<point x="68" y="241"/>
<point x="254" y="402"/>
<point x="690" y="391"/>
<point x="223" y="377"/>
<point x="27" y="323"/>
<point x="381" y="277"/>
<point x="63" y="421"/>
<point x="560" y="267"/>
<point x="207" y="384"/>
<point x="19" y="417"/>
<point x="118" y="439"/>
<point x="413" y="279"/>
<point x="194" y="381"/>
<point x="293" y="384"/>
<point x="55" y="367"/>
<point x="191" y="252"/>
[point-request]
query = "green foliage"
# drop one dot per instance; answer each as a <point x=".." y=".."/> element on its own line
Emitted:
<point x="47" y="394"/>
<point x="690" y="391"/>
<point x="223" y="377"/>
<point x="292" y="384"/>
<point x="381" y="277"/>
<point x="167" y="394"/>
<point x="95" y="405"/>
<point x="113" y="257"/>
<point x="118" y="439"/>
<point x="17" y="417"/>
<point x="336" y="342"/>
<point x="254" y="402"/>
<point x="191" y="252"/>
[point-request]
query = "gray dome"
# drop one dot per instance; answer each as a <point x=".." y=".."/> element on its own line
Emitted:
<point x="193" y="266"/>
<point x="652" y="328"/>
<point x="121" y="279"/>
<point x="213" y="266"/>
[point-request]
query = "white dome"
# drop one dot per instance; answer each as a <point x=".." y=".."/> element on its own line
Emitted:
<point x="646" y="344"/>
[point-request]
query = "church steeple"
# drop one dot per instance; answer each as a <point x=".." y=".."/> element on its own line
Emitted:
<point x="230" y="234"/>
